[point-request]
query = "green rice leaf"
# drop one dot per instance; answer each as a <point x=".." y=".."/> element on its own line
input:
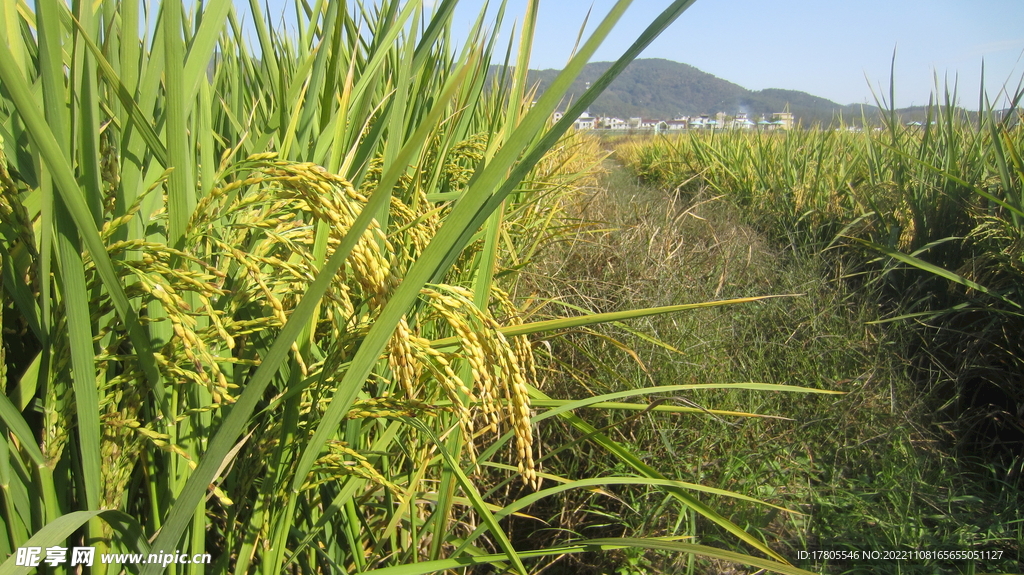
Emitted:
<point x="591" y="319"/>
<point x="490" y="519"/>
<point x="636" y="463"/>
<point x="936" y="270"/>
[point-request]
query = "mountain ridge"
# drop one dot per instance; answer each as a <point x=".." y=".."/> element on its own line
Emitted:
<point x="662" y="89"/>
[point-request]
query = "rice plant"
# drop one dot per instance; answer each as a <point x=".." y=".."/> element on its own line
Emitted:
<point x="256" y="299"/>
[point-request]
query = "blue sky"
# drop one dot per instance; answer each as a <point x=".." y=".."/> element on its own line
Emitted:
<point x="837" y="50"/>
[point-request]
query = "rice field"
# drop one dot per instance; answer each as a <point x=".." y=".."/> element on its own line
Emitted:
<point x="902" y="187"/>
<point x="916" y="230"/>
<point x="261" y="303"/>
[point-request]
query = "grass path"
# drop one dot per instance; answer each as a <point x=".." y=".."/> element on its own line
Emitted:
<point x="868" y="469"/>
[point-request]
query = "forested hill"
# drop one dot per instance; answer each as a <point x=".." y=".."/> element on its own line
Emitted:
<point x="662" y="89"/>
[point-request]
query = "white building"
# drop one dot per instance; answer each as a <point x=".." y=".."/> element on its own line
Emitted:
<point x="701" y="122"/>
<point x="614" y="123"/>
<point x="585" y="122"/>
<point x="741" y="122"/>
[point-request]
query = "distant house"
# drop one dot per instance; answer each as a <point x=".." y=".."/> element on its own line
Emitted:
<point x="701" y="122"/>
<point x="741" y="122"/>
<point x="614" y="124"/>
<point x="783" y="120"/>
<point x="585" y="122"/>
<point x="718" y="121"/>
